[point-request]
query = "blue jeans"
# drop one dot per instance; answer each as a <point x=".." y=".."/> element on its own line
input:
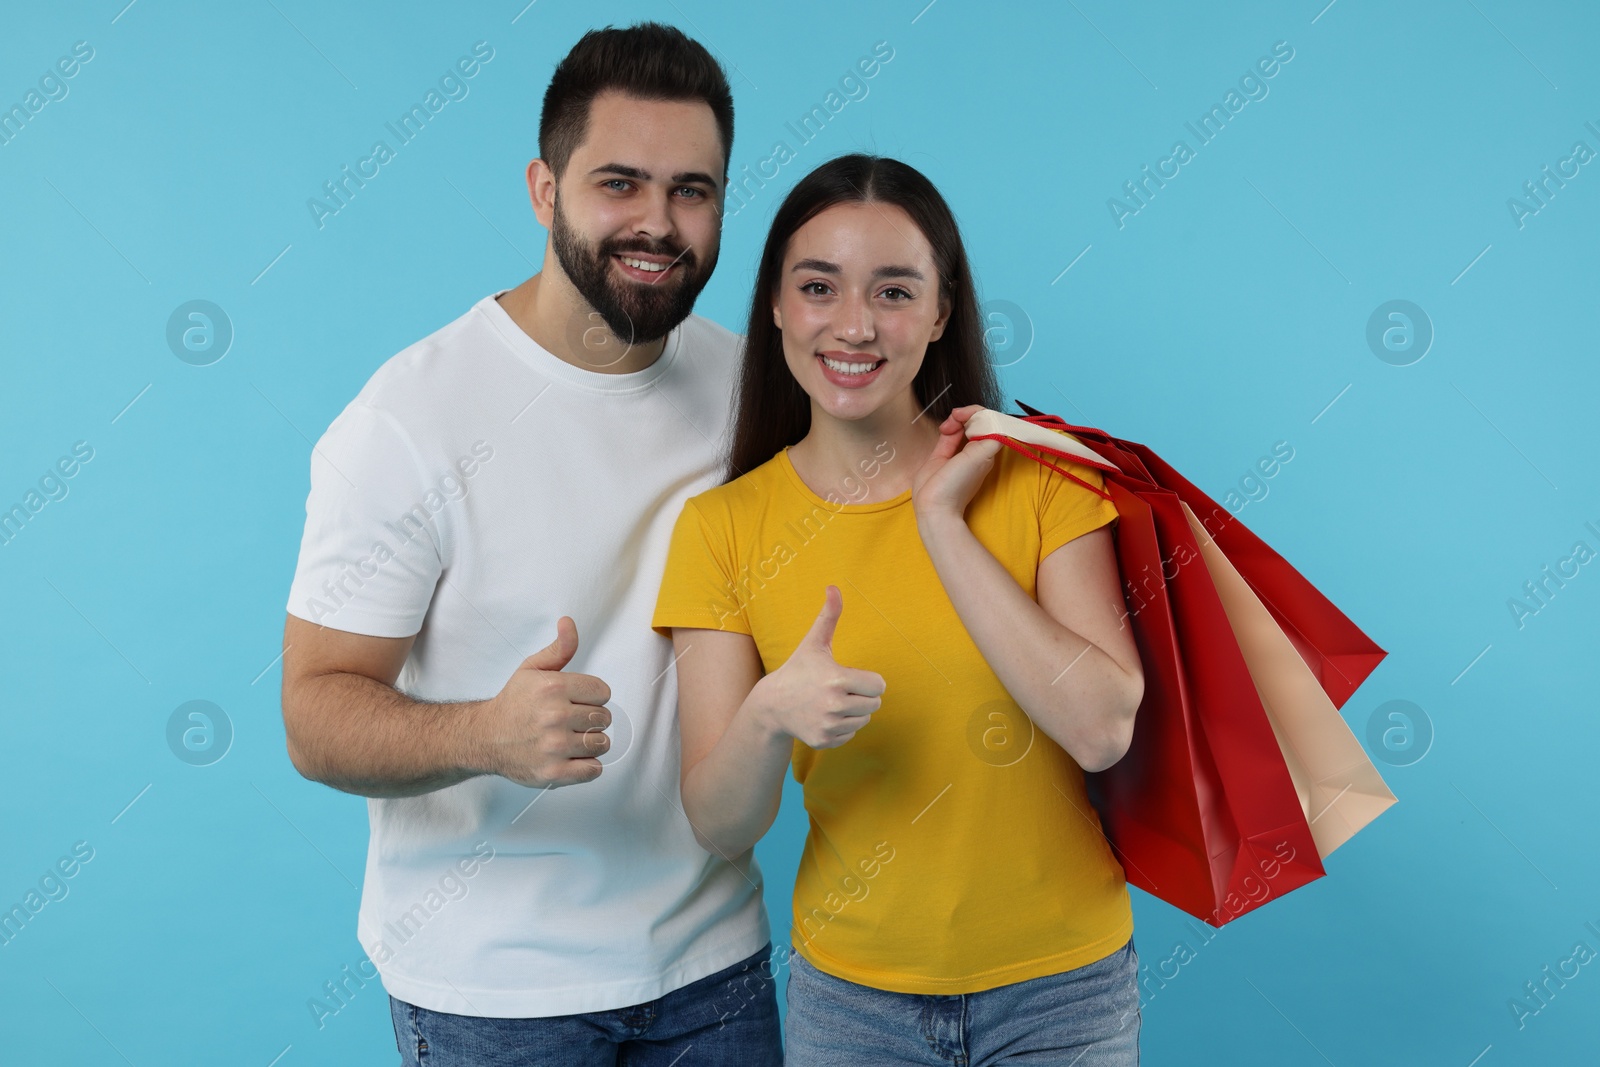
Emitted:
<point x="1086" y="1017"/>
<point x="727" y="1019"/>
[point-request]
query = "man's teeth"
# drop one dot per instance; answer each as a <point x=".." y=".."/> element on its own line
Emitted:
<point x="850" y="368"/>
<point x="639" y="264"/>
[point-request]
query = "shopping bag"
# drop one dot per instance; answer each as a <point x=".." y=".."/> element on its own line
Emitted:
<point x="1334" y="648"/>
<point x="1340" y="789"/>
<point x="1202" y="811"/>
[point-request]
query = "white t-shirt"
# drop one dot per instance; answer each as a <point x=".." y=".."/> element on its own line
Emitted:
<point x="474" y="491"/>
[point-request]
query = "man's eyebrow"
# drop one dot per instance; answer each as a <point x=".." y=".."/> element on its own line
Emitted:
<point x="686" y="177"/>
<point x="892" y="270"/>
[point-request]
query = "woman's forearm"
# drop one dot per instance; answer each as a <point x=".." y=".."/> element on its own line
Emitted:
<point x="1027" y="649"/>
<point x="731" y="795"/>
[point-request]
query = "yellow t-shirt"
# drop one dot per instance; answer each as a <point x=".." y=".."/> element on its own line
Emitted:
<point x="952" y="847"/>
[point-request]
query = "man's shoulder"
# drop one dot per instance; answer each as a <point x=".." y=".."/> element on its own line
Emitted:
<point x="458" y="365"/>
<point x="707" y="343"/>
<point x="706" y="331"/>
<point x="434" y="374"/>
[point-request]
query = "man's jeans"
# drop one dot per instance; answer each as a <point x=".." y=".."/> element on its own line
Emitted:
<point x="727" y="1019"/>
<point x="1087" y="1017"/>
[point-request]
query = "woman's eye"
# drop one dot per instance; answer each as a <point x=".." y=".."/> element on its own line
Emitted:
<point x="806" y="288"/>
<point x="897" y="289"/>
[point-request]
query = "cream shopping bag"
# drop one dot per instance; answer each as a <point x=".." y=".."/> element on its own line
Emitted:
<point x="1340" y="790"/>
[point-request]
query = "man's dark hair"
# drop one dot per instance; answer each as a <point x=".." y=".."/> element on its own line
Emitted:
<point x="651" y="61"/>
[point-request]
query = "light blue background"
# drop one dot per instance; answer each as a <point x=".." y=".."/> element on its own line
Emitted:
<point x="1227" y="315"/>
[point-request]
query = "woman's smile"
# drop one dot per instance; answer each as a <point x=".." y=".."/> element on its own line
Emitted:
<point x="851" y="370"/>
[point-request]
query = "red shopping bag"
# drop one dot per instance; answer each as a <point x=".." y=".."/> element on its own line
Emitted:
<point x="1202" y="810"/>
<point x="1337" y="651"/>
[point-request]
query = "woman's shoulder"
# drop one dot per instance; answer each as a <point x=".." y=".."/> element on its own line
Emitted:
<point x="737" y="496"/>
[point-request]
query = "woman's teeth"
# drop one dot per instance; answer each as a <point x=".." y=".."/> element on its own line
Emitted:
<point x="850" y="368"/>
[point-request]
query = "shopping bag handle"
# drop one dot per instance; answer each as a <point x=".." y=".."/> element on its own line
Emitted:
<point x="1041" y="433"/>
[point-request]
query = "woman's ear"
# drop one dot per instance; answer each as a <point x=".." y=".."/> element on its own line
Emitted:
<point x="777" y="316"/>
<point x="944" y="317"/>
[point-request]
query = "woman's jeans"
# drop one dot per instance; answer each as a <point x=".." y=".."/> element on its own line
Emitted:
<point x="727" y="1019"/>
<point x="1087" y="1017"/>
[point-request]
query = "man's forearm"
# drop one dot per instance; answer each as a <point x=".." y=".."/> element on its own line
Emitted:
<point x="360" y="736"/>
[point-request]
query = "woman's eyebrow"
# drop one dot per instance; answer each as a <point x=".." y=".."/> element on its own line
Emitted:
<point x="893" y="270"/>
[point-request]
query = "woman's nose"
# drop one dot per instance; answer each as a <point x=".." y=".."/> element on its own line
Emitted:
<point x="854" y="323"/>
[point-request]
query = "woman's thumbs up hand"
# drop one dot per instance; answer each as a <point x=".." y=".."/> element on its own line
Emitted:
<point x="814" y="699"/>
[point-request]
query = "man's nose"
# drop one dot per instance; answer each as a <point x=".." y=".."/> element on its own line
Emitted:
<point x="655" y="216"/>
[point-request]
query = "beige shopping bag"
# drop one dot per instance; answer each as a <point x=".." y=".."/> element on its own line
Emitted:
<point x="1340" y="790"/>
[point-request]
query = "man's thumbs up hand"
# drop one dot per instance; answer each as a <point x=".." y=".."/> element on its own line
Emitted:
<point x="546" y="727"/>
<point x="557" y="654"/>
<point x="812" y="697"/>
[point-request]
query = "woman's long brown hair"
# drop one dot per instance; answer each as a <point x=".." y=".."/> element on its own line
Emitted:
<point x="772" y="411"/>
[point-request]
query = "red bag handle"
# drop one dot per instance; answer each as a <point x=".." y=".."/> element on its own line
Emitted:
<point x="1052" y="422"/>
<point x="1018" y="447"/>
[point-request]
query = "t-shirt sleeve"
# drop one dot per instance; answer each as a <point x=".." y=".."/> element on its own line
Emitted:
<point x="698" y="587"/>
<point x="370" y="556"/>
<point x="1068" y="510"/>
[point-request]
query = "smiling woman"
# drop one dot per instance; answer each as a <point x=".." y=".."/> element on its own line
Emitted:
<point x="972" y="577"/>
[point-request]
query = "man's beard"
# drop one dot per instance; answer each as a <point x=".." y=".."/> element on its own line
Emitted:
<point x="637" y="313"/>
